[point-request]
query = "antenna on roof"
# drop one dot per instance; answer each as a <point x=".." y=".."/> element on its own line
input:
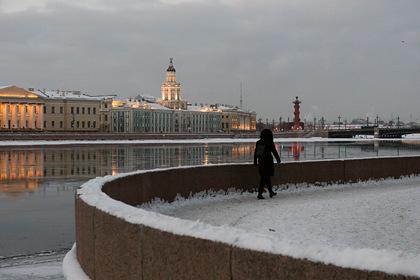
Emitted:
<point x="241" y="100"/>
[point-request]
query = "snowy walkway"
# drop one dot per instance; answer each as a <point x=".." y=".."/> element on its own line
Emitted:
<point x="36" y="267"/>
<point x="377" y="215"/>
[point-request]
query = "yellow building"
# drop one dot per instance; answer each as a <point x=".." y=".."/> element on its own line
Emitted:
<point x="51" y="110"/>
<point x="20" y="109"/>
<point x="237" y="120"/>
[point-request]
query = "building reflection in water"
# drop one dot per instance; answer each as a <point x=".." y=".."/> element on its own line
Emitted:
<point x="291" y="150"/>
<point x="22" y="169"/>
<point x="19" y="170"/>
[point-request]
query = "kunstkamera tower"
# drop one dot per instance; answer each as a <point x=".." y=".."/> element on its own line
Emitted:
<point x="171" y="90"/>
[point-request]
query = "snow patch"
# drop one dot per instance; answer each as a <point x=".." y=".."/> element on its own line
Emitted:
<point x="71" y="266"/>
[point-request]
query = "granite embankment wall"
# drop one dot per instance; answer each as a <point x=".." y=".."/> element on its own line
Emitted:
<point x="109" y="247"/>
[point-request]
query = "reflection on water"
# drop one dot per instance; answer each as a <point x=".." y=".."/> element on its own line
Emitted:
<point x="37" y="184"/>
<point x="22" y="168"/>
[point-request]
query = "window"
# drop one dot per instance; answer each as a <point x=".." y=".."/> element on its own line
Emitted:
<point x="83" y="110"/>
<point x="106" y="105"/>
<point x="106" y="118"/>
<point x="88" y="124"/>
<point x="83" y="124"/>
<point x="77" y="124"/>
<point x="52" y="110"/>
<point x="94" y="111"/>
<point x="94" y="124"/>
<point x="52" y="123"/>
<point x="72" y="110"/>
<point x="61" y="109"/>
<point x="61" y="124"/>
<point x="45" y="109"/>
<point x="45" y="124"/>
<point x="77" y="110"/>
<point x="88" y="110"/>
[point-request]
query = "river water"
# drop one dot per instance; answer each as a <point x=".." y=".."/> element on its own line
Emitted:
<point x="38" y="184"/>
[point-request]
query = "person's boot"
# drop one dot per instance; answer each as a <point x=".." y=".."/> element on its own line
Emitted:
<point x="260" y="196"/>
<point x="272" y="193"/>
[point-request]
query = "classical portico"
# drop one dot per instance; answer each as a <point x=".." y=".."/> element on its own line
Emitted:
<point x="20" y="109"/>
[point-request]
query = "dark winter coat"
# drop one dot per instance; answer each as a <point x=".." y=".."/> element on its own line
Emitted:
<point x="263" y="157"/>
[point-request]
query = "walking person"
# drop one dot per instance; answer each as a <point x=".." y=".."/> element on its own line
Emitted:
<point x="263" y="157"/>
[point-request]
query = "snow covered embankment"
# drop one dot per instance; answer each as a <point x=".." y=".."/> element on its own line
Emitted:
<point x="389" y="261"/>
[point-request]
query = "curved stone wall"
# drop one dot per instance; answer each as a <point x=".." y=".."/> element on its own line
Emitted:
<point x="118" y="241"/>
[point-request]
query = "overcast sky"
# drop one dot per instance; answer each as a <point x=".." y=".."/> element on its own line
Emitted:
<point x="353" y="58"/>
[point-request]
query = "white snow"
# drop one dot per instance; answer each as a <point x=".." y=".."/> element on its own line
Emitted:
<point x="415" y="136"/>
<point x="322" y="250"/>
<point x="376" y="215"/>
<point x="36" y="267"/>
<point x="71" y="267"/>
<point x="182" y="141"/>
<point x="42" y="271"/>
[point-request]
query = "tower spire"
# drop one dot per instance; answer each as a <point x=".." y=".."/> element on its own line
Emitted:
<point x="171" y="67"/>
<point x="241" y="100"/>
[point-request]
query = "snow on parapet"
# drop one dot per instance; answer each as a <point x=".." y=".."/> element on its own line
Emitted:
<point x="393" y="262"/>
<point x="71" y="267"/>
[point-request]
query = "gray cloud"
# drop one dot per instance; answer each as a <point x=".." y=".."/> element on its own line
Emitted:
<point x="351" y="58"/>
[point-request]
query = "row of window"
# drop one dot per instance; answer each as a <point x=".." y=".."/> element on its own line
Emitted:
<point x="74" y="171"/>
<point x="73" y="123"/>
<point x="73" y="110"/>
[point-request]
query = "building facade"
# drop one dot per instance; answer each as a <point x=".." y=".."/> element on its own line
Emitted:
<point x="46" y="110"/>
<point x="66" y="111"/>
<point x="21" y="109"/>
<point x="235" y="120"/>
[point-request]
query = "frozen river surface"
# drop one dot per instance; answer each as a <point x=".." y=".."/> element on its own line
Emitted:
<point x="376" y="215"/>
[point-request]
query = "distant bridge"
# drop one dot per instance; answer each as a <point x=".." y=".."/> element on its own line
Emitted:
<point x="381" y="132"/>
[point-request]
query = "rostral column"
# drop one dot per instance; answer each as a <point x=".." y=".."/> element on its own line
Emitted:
<point x="296" y="120"/>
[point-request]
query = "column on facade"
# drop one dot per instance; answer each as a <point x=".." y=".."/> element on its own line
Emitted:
<point x="6" y="115"/>
<point x="10" y="115"/>
<point x="22" y="109"/>
<point x="31" y="109"/>
<point x="40" y="116"/>
<point x="3" y="113"/>
<point x="14" y="118"/>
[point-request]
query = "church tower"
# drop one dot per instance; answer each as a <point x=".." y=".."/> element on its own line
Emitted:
<point x="171" y="90"/>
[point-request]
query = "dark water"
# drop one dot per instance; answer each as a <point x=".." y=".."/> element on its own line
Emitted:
<point x="37" y="184"/>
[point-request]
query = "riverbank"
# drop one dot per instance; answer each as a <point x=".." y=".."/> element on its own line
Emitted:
<point x="56" y="136"/>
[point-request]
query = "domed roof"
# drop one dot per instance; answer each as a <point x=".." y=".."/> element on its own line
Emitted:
<point x="171" y="67"/>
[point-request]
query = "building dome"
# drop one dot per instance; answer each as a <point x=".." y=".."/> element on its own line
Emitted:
<point x="171" y="67"/>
